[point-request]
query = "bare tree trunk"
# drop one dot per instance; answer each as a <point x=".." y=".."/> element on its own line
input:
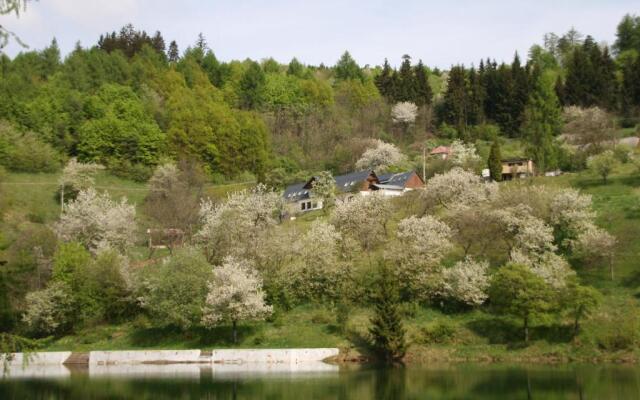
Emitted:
<point x="235" y="332"/>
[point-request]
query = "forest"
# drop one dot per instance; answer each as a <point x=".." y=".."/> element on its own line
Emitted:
<point x="132" y="134"/>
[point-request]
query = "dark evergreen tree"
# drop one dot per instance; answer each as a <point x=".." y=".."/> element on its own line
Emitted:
<point x="201" y="42"/>
<point x="251" y="86"/>
<point x="387" y="331"/>
<point x="455" y="99"/>
<point x="630" y="93"/>
<point x="173" y="53"/>
<point x="559" y="88"/>
<point x="475" y="100"/>
<point x="495" y="161"/>
<point x="157" y="42"/>
<point x="423" y="92"/>
<point x="405" y="89"/>
<point x="503" y="101"/>
<point x="519" y="96"/>
<point x="384" y="81"/>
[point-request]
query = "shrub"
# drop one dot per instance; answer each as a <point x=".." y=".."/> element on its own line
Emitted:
<point x="26" y="152"/>
<point x="437" y="333"/>
<point x="49" y="310"/>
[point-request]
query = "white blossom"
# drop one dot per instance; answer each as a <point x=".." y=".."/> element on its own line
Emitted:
<point x="363" y="218"/>
<point x="524" y="232"/>
<point x="232" y="227"/>
<point x="77" y="175"/>
<point x="380" y="157"/>
<point x="49" y="309"/>
<point x="235" y="294"/>
<point x="462" y="154"/>
<point x="571" y="211"/>
<point x="404" y="112"/>
<point x="551" y="267"/>
<point x="594" y="243"/>
<point x="164" y="178"/>
<point x="96" y="221"/>
<point x="458" y="188"/>
<point x="467" y="281"/>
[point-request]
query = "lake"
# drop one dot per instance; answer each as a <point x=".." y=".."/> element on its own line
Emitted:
<point x="323" y="381"/>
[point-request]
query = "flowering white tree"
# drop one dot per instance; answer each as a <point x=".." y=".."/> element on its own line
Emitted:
<point x="363" y="218"/>
<point x="235" y="294"/>
<point x="76" y="176"/>
<point x="96" y="221"/>
<point x="324" y="187"/>
<point x="317" y="271"/>
<point x="458" y="188"/>
<point x="404" y="112"/>
<point x="463" y="154"/>
<point x="524" y="232"/>
<point x="234" y="227"/>
<point x="551" y="267"/>
<point x="49" y="310"/>
<point x="595" y="246"/>
<point x="380" y="157"/>
<point x="467" y="281"/>
<point x="164" y="178"/>
<point x="423" y="243"/>
<point x="570" y="214"/>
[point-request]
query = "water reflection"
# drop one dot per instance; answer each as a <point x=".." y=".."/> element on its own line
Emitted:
<point x="323" y="381"/>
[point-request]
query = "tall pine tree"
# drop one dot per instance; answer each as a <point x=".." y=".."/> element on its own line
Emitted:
<point x="387" y="331"/>
<point x="423" y="92"/>
<point x="495" y="161"/>
<point x="542" y="122"/>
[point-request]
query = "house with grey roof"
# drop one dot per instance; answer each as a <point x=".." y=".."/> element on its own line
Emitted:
<point x="299" y="196"/>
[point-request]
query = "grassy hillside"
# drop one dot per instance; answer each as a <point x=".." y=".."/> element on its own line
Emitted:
<point x="434" y="334"/>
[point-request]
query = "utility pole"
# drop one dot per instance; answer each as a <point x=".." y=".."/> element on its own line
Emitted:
<point x="424" y="164"/>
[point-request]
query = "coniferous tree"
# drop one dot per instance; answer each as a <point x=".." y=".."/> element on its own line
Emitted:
<point x="628" y="34"/>
<point x="495" y="161"/>
<point x="423" y="92"/>
<point x="520" y="94"/>
<point x="387" y="331"/>
<point x="406" y="84"/>
<point x="543" y="121"/>
<point x="475" y="99"/>
<point x="630" y="93"/>
<point x="347" y="68"/>
<point x="455" y="99"/>
<point x="503" y="101"/>
<point x="384" y="81"/>
<point x="173" y="53"/>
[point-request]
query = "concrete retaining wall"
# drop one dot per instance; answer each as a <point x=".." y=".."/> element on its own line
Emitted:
<point x="144" y="356"/>
<point x="225" y="356"/>
<point x="271" y="356"/>
<point x="41" y="358"/>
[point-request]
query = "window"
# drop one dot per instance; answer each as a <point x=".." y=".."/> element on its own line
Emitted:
<point x="308" y="205"/>
<point x="303" y="206"/>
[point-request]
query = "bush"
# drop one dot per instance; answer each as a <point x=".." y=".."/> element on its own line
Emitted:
<point x="26" y="152"/>
<point x="621" y="332"/>
<point x="127" y="170"/>
<point x="437" y="333"/>
<point x="622" y="153"/>
<point x="49" y="310"/>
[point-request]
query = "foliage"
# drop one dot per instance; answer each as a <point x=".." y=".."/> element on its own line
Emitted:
<point x="463" y="155"/>
<point x="25" y="152"/>
<point x="49" y="310"/>
<point x="518" y="292"/>
<point x="324" y="187"/>
<point x="174" y="292"/>
<point x="235" y="295"/>
<point x="97" y="222"/>
<point x="495" y="161"/>
<point x="542" y="122"/>
<point x="603" y="164"/>
<point x="591" y="129"/>
<point x="579" y="302"/>
<point x="387" y="330"/>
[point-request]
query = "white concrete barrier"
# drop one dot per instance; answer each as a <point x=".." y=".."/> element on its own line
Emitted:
<point x="144" y="357"/>
<point x="288" y="356"/>
<point x="38" y="358"/>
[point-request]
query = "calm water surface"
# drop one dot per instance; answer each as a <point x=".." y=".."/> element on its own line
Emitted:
<point x="324" y="382"/>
